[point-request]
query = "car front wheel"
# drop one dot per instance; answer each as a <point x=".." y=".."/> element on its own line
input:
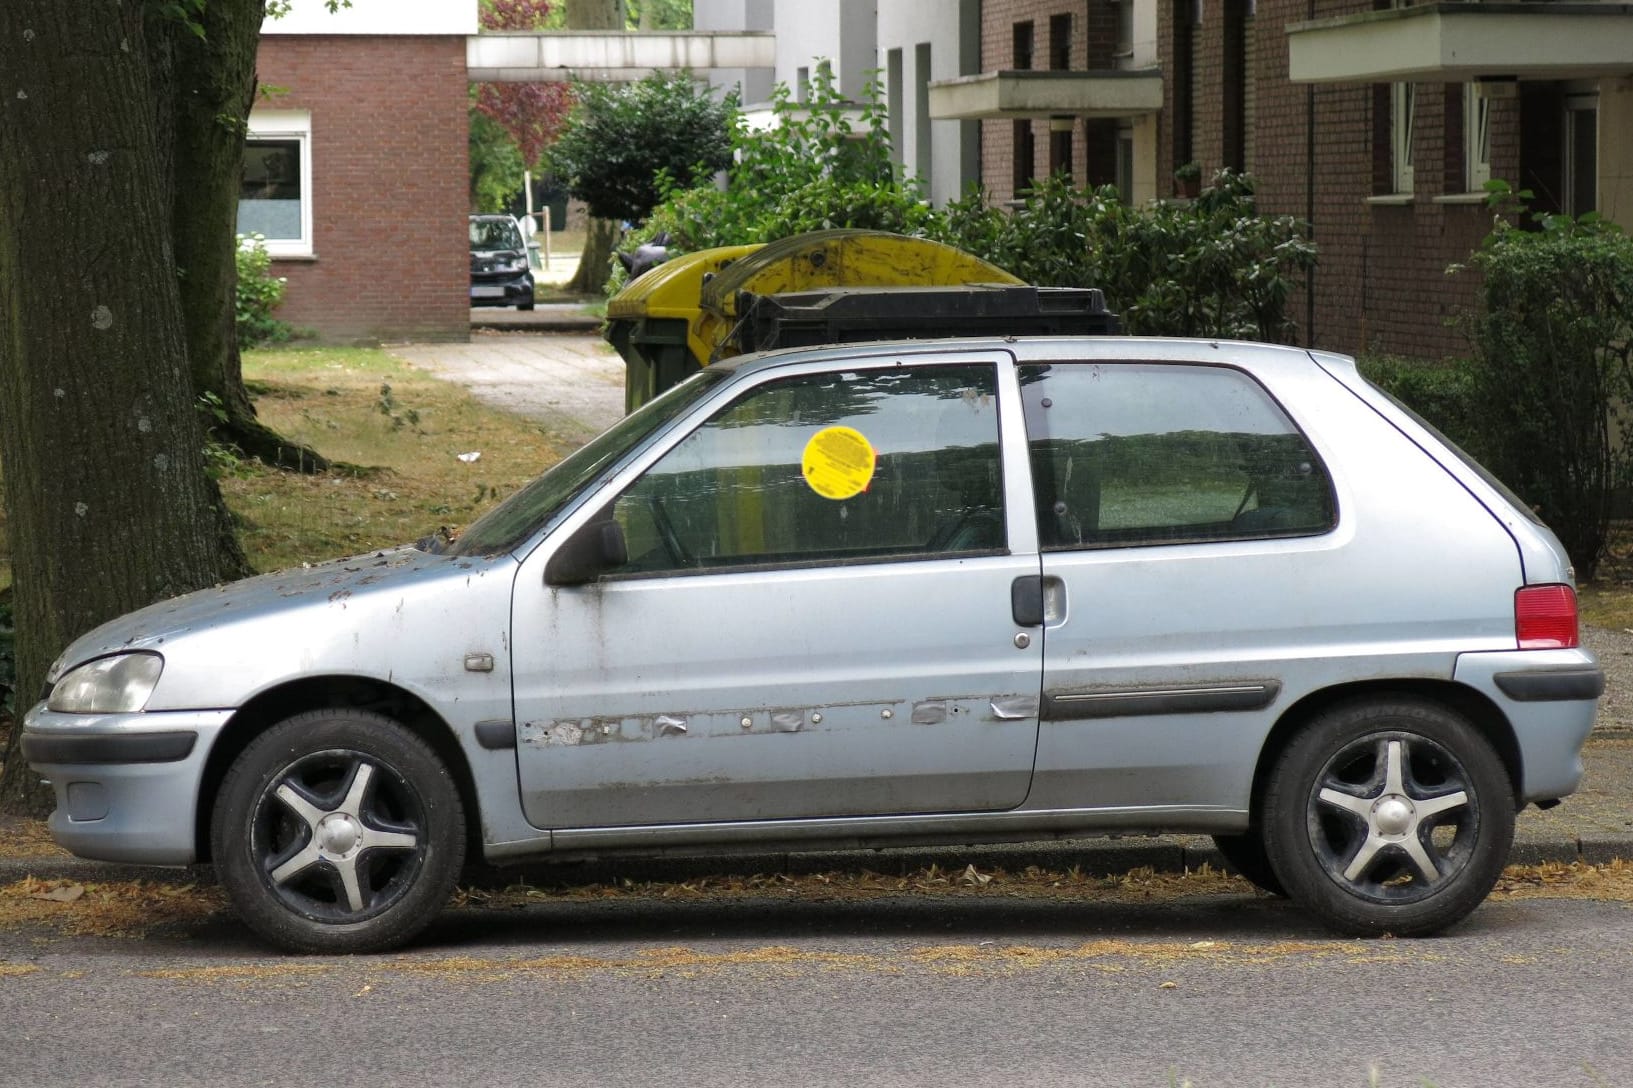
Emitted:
<point x="338" y="831"/>
<point x="1389" y="817"/>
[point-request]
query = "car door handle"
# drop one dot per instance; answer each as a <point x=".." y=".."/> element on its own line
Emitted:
<point x="1026" y="600"/>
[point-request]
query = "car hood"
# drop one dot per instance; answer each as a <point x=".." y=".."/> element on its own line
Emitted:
<point x="365" y="614"/>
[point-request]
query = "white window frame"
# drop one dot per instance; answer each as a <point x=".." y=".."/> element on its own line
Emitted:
<point x="1580" y="109"/>
<point x="1476" y="138"/>
<point x="1402" y="120"/>
<point x="289" y="125"/>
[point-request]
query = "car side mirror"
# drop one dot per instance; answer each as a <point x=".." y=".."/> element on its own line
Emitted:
<point x="586" y="555"/>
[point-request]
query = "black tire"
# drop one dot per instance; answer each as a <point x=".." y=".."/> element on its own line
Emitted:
<point x="1389" y="817"/>
<point x="338" y="831"/>
<point x="524" y="306"/>
<point x="1246" y="856"/>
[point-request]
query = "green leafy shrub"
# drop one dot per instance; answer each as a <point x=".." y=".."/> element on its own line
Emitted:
<point x="1208" y="267"/>
<point x="1553" y="370"/>
<point x="258" y="294"/>
<point x="1442" y="392"/>
<point x="811" y="169"/>
<point x="619" y="141"/>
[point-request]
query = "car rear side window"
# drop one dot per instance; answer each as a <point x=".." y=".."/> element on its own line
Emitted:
<point x="856" y="466"/>
<point x="1130" y="454"/>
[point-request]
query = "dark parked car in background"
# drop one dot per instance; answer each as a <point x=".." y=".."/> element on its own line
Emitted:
<point x="500" y="275"/>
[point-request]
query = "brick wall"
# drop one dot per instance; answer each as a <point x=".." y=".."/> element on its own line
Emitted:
<point x="1381" y="283"/>
<point x="1093" y="42"/>
<point x="390" y="185"/>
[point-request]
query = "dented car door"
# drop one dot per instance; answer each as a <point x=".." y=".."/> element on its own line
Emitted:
<point x="815" y="618"/>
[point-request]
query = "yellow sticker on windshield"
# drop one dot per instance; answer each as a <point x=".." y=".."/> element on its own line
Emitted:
<point x="838" y="463"/>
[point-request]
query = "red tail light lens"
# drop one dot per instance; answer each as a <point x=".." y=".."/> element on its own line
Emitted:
<point x="1545" y="618"/>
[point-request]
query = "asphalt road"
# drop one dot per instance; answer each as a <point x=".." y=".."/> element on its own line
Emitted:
<point x="1217" y="990"/>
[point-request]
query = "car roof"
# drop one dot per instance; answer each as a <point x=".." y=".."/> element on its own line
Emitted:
<point x="1150" y="349"/>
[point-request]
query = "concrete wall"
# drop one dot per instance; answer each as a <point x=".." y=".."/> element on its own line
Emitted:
<point x="945" y="154"/>
<point x="1616" y="151"/>
<point x="389" y="184"/>
<point x="754" y="84"/>
<point x="842" y="32"/>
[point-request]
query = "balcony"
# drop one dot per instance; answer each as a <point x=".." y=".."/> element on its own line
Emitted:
<point x="1461" y="42"/>
<point x="1019" y="95"/>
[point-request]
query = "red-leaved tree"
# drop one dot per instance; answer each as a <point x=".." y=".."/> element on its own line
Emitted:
<point x="530" y="113"/>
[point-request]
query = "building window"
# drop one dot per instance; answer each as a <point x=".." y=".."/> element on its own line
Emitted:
<point x="1024" y="157"/>
<point x="1476" y="138"/>
<point x="1125" y="33"/>
<point x="1402" y="114"/>
<point x="802" y="84"/>
<point x="1060" y="42"/>
<point x="1581" y="154"/>
<point x="275" y="190"/>
<point x="894" y="92"/>
<point x="922" y="154"/>
<point x="1184" y="83"/>
<point x="1021" y="43"/>
<point x="1125" y="162"/>
<point x="1060" y="147"/>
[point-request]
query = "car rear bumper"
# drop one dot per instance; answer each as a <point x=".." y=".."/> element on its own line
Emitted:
<point x="1550" y="698"/>
<point x="126" y="785"/>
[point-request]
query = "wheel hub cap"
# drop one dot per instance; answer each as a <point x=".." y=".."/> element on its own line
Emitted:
<point x="339" y="833"/>
<point x="1393" y="816"/>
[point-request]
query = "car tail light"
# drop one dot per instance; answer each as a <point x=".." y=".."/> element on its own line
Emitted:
<point x="1545" y="618"/>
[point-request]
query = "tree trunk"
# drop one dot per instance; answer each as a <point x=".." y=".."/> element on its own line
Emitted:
<point x="594" y="267"/>
<point x="595" y="263"/>
<point x="211" y="88"/>
<point x="106" y="496"/>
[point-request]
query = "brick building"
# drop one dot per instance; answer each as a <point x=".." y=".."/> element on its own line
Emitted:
<point x="356" y="169"/>
<point x="1376" y="121"/>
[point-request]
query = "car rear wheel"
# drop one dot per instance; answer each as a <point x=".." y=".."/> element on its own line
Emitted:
<point x="1389" y="817"/>
<point x="338" y="831"/>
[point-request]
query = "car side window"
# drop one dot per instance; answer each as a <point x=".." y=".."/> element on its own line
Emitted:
<point x="864" y="465"/>
<point x="1130" y="454"/>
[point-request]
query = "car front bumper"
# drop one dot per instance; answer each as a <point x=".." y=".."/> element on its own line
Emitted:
<point x="126" y="785"/>
<point x="502" y="290"/>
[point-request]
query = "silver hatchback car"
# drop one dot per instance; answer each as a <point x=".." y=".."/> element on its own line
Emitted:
<point x="956" y="591"/>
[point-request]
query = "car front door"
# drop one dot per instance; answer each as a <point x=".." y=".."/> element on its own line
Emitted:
<point x="815" y="619"/>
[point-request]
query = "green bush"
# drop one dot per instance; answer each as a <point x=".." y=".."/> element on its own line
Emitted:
<point x="258" y="294"/>
<point x="620" y="141"/>
<point x="1442" y="392"/>
<point x="1553" y="370"/>
<point x="1209" y="267"/>
<point x="811" y="169"/>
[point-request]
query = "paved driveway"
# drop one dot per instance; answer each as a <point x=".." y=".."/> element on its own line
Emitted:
<point x="573" y="383"/>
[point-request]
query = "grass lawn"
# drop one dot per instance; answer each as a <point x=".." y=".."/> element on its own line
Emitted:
<point x="403" y="430"/>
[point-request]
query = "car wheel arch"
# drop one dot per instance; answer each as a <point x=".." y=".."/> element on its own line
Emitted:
<point x="1471" y="704"/>
<point x="286" y="700"/>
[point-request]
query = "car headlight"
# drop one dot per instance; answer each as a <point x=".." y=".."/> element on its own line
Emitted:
<point x="120" y="684"/>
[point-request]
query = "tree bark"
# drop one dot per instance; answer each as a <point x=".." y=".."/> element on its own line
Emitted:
<point x="211" y="87"/>
<point x="594" y="263"/>
<point x="108" y="504"/>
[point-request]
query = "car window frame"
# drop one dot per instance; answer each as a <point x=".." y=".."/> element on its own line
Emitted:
<point x="1179" y="539"/>
<point x="595" y="501"/>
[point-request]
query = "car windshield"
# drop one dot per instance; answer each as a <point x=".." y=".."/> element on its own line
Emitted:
<point x="495" y="234"/>
<point x="509" y="524"/>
